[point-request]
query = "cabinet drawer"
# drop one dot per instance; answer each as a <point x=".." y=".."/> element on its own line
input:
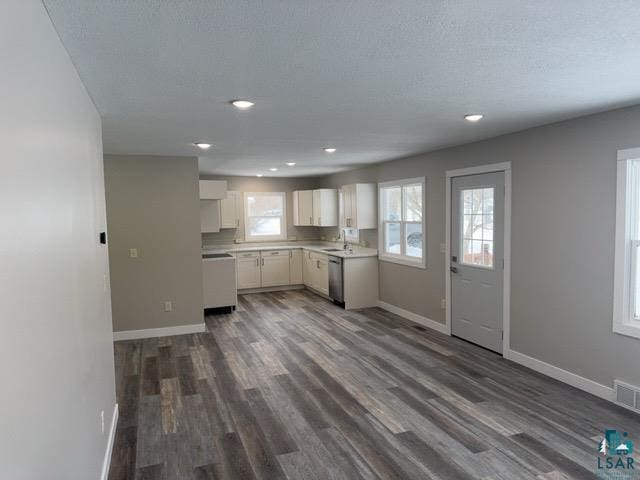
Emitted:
<point x="276" y="253"/>
<point x="248" y="254"/>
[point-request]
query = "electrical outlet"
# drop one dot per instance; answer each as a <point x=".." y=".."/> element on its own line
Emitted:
<point x="443" y="303"/>
<point x="443" y="248"/>
<point x="133" y="253"/>
<point x="102" y="421"/>
<point x="168" y="306"/>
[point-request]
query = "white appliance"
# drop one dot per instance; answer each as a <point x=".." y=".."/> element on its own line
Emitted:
<point x="219" y="280"/>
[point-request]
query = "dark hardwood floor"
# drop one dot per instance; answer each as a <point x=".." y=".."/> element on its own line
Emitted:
<point x="290" y="386"/>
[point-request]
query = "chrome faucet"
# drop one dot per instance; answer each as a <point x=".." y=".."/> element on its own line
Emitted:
<point x="343" y="232"/>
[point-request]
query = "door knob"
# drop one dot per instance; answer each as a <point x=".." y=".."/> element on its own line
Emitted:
<point x="453" y="269"/>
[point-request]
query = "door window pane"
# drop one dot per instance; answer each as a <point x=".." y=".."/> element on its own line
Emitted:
<point x="413" y="239"/>
<point x="392" y="238"/>
<point x="412" y="203"/>
<point x="476" y="224"/>
<point x="392" y="204"/>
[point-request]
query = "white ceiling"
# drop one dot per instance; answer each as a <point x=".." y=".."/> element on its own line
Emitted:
<point x="376" y="79"/>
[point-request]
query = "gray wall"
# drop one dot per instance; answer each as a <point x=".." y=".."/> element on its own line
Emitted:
<point x="153" y="205"/>
<point x="562" y="239"/>
<point x="266" y="184"/>
<point x="56" y="361"/>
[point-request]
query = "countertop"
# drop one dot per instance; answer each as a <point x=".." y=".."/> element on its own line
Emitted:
<point x="319" y="247"/>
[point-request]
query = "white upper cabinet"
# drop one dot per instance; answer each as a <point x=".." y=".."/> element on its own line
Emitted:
<point x="210" y="216"/>
<point x="315" y="207"/>
<point x="303" y="208"/>
<point x="231" y="210"/>
<point x="325" y="207"/>
<point x="359" y="206"/>
<point x="213" y="189"/>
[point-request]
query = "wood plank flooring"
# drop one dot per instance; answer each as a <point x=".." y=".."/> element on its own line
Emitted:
<point x="291" y="386"/>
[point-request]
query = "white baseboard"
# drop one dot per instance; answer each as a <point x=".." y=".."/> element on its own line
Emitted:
<point x="106" y="463"/>
<point x="414" y="317"/>
<point x="159" y="332"/>
<point x="561" y="375"/>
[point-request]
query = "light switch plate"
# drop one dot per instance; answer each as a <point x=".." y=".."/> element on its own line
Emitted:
<point x="133" y="253"/>
<point x="168" y="306"/>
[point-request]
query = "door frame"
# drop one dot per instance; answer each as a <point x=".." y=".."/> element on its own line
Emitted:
<point x="506" y="284"/>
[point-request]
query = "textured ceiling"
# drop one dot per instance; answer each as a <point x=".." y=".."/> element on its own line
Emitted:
<point x="376" y="79"/>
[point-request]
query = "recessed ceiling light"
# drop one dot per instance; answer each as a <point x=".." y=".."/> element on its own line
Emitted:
<point x="473" y="117"/>
<point x="242" y="104"/>
<point x="273" y="169"/>
<point x="258" y="174"/>
<point x="329" y="149"/>
<point x="203" y="146"/>
<point x="291" y="164"/>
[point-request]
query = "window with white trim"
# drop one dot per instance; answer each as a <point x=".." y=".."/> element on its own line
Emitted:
<point x="402" y="234"/>
<point x="265" y="216"/>
<point x="626" y="308"/>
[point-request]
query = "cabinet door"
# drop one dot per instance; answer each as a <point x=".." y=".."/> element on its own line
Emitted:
<point x="325" y="207"/>
<point x="307" y="268"/>
<point x="248" y="270"/>
<point x="317" y="208"/>
<point x="322" y="274"/>
<point x="295" y="267"/>
<point x="209" y="216"/>
<point x="347" y="205"/>
<point x="305" y="207"/>
<point x="275" y="268"/>
<point x="229" y="210"/>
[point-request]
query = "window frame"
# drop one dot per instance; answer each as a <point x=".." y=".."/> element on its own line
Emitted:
<point x="402" y="258"/>
<point x="627" y="219"/>
<point x="283" y="219"/>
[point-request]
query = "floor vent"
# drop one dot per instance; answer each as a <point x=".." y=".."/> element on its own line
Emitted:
<point x="627" y="395"/>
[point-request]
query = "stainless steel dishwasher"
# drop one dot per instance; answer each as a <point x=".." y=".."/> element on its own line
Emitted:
<point x="336" y="280"/>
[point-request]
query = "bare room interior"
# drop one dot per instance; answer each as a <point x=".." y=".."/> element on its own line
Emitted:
<point x="303" y="239"/>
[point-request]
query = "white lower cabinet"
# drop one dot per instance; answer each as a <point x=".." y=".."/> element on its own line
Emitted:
<point x="316" y="271"/>
<point x="248" y="265"/>
<point x="275" y="268"/>
<point x="295" y="267"/>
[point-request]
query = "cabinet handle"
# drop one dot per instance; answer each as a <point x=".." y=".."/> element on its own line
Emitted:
<point x="317" y="263"/>
<point x="319" y="221"/>
<point x="290" y="253"/>
<point x="257" y="262"/>
<point x="310" y="220"/>
<point x="275" y="253"/>
<point x="237" y="222"/>
<point x="262" y="262"/>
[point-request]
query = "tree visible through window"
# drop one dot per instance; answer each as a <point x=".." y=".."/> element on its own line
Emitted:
<point x="265" y="216"/>
<point x="477" y="226"/>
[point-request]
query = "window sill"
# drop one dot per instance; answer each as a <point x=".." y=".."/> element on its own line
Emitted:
<point x="628" y="329"/>
<point x="403" y="261"/>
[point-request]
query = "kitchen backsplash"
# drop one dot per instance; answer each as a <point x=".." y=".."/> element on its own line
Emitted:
<point x="230" y="235"/>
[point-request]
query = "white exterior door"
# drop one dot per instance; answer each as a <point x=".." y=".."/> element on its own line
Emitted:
<point x="477" y="261"/>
